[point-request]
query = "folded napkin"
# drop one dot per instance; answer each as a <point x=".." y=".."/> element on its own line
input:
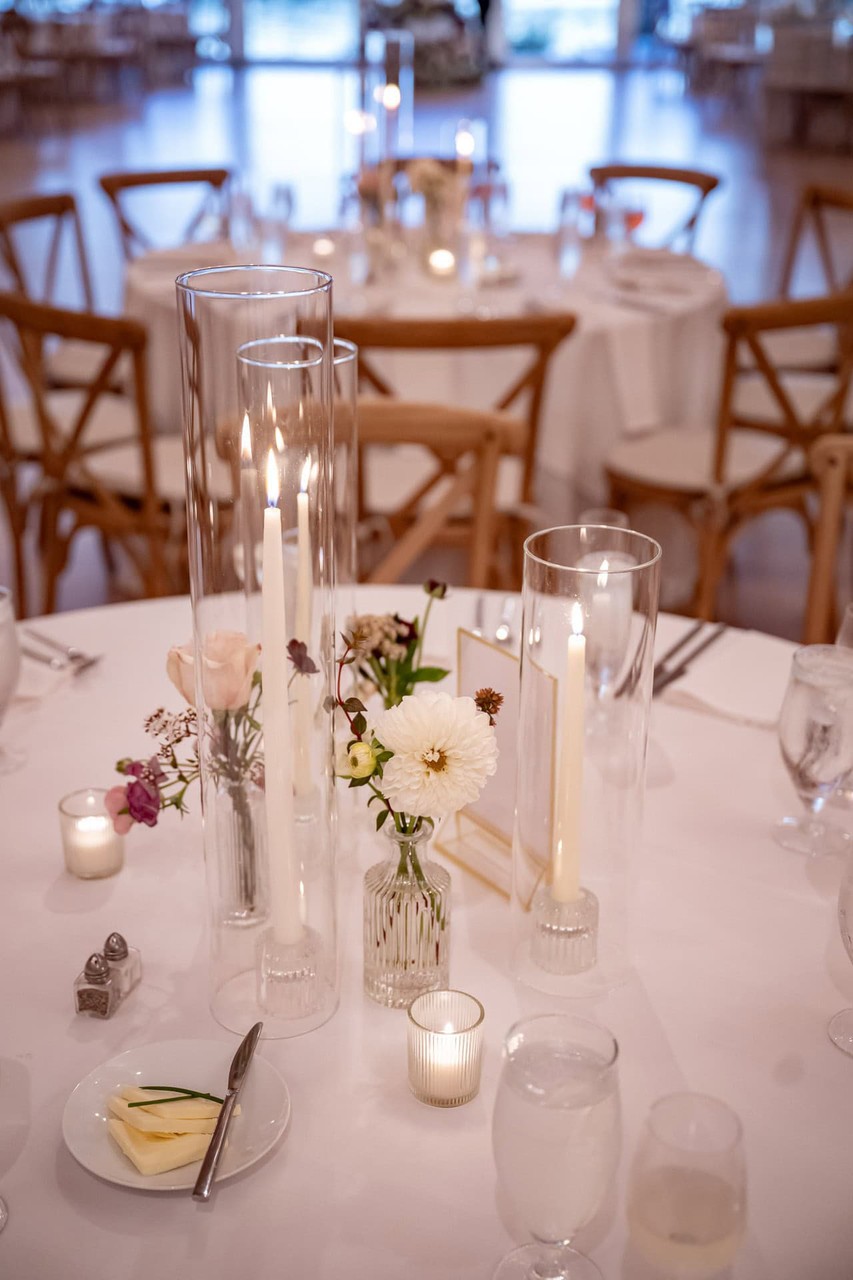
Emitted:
<point x="742" y="677"/>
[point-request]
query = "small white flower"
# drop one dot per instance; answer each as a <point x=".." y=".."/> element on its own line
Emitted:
<point x="444" y="750"/>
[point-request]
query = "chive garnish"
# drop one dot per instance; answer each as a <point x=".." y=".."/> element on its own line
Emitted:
<point x="181" y="1095"/>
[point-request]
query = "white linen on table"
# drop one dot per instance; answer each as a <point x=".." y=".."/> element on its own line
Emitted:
<point x="634" y="363"/>
<point x="739" y="966"/>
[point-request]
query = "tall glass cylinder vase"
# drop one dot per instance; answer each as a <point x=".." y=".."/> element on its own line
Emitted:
<point x="590" y="608"/>
<point x="257" y="355"/>
<point x="389" y="92"/>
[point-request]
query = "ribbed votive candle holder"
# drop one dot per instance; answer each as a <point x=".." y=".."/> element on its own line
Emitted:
<point x="445" y="1047"/>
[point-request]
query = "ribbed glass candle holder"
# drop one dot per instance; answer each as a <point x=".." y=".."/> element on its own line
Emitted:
<point x="445" y="1047"/>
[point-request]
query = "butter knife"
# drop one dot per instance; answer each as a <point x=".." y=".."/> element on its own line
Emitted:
<point x="236" y="1076"/>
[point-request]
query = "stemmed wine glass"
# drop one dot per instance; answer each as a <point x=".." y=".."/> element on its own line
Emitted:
<point x="10" y="662"/>
<point x="816" y="738"/>
<point x="556" y="1137"/>
<point x="841" y="1025"/>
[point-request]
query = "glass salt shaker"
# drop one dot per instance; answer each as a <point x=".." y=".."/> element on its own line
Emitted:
<point x="95" y="990"/>
<point x="125" y="963"/>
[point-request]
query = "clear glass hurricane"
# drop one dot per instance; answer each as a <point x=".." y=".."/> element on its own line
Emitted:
<point x="841" y="1025"/>
<point x="556" y="1139"/>
<point x="816" y="739"/>
<point x="10" y="664"/>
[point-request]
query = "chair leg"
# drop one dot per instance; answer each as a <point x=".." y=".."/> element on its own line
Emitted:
<point x="713" y="553"/>
<point x="54" y="553"/>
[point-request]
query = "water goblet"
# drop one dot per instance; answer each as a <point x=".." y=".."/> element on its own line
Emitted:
<point x="687" y="1187"/>
<point x="816" y="739"/>
<point x="556" y="1138"/>
<point x="841" y="1024"/>
<point x="10" y="665"/>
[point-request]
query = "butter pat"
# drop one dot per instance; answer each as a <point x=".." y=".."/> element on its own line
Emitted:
<point x="166" y="1121"/>
<point x="158" y="1153"/>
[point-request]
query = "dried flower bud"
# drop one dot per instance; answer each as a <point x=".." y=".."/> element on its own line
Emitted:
<point x="490" y="702"/>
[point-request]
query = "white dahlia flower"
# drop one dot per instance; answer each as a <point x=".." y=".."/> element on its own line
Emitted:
<point x="444" y="750"/>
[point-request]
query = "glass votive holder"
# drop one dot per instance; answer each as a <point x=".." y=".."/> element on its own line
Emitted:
<point x="92" y="847"/>
<point x="445" y="1047"/>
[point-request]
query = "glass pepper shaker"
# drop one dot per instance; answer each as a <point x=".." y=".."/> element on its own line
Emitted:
<point x="125" y="963"/>
<point x="95" y="991"/>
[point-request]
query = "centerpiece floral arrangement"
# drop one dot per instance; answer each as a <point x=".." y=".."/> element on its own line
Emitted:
<point x="423" y="758"/>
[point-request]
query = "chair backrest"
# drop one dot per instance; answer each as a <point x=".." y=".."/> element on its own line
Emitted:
<point x="58" y="217"/>
<point x="133" y="239"/>
<point x="831" y="463"/>
<point x="536" y="336"/>
<point x="820" y="209"/>
<point x="604" y="176"/>
<point x="465" y="446"/>
<point x="730" y="25"/>
<point x="797" y="419"/>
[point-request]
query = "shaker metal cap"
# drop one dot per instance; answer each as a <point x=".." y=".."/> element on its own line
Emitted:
<point x="97" y="969"/>
<point x="115" y="947"/>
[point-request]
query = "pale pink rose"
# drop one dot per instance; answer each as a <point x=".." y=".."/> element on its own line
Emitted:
<point x="229" y="665"/>
<point x="116" y="801"/>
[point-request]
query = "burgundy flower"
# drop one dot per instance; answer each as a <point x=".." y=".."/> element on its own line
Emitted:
<point x="143" y="802"/>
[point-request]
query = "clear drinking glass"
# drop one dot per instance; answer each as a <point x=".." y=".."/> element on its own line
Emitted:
<point x="841" y="1025"/>
<point x="556" y="1139"/>
<point x="816" y="738"/>
<point x="10" y="666"/>
<point x="605" y="515"/>
<point x="687" y="1188"/>
<point x="569" y="235"/>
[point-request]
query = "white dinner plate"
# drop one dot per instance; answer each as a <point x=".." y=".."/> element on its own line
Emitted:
<point x="192" y="1064"/>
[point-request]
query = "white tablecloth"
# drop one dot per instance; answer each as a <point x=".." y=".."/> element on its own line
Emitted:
<point x="641" y="358"/>
<point x="739" y="967"/>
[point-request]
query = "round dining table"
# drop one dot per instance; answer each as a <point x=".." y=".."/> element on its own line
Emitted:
<point x="646" y="352"/>
<point x="738" y="967"/>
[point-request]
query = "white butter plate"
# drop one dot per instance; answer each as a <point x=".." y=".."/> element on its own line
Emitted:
<point x="191" y="1064"/>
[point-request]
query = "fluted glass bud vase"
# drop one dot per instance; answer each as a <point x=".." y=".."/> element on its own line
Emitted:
<point x="587" y="653"/>
<point x="256" y="346"/>
<point x="406" y="920"/>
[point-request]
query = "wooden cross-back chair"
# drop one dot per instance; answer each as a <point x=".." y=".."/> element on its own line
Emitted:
<point x="513" y="417"/>
<point x="831" y="462"/>
<point x="755" y="460"/>
<point x="133" y="239"/>
<point x="37" y="276"/>
<point x="604" y="176"/>
<point x="74" y="431"/>
<point x="815" y="203"/>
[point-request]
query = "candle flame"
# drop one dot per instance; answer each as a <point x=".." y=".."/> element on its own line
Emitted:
<point x="464" y="142"/>
<point x="273" y="482"/>
<point x="391" y="97"/>
<point x="577" y="618"/>
<point x="279" y="440"/>
<point x="305" y="478"/>
<point x="246" y="440"/>
<point x="603" y="572"/>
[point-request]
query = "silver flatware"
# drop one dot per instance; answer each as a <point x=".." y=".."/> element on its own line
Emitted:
<point x="667" y="676"/>
<point x="70" y="651"/>
<point x="679" y="644"/>
<point x="237" y="1074"/>
<point x="503" y="631"/>
<point x="59" y="664"/>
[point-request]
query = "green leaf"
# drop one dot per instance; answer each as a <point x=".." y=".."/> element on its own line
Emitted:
<point x="429" y="674"/>
<point x="359" y="782"/>
<point x="359" y="723"/>
<point x="381" y="818"/>
<point x="354" y="704"/>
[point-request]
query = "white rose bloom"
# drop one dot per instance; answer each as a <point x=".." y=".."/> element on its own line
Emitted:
<point x="444" y="750"/>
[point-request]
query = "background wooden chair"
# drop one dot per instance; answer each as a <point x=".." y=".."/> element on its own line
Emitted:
<point x="42" y="251"/>
<point x="513" y="416"/>
<point x="72" y="436"/>
<point x="134" y="240"/>
<point x="755" y="461"/>
<point x="831" y="462"/>
<point x="606" y="177"/>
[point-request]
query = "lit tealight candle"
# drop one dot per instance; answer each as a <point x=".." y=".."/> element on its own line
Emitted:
<point x="323" y="247"/>
<point x="91" y="845"/>
<point x="445" y="1037"/>
<point x="442" y="262"/>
